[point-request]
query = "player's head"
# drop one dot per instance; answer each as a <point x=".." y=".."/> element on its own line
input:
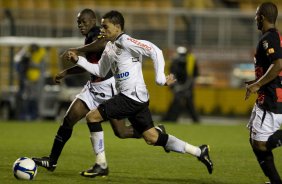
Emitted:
<point x="266" y="12"/>
<point x="86" y="19"/>
<point x="112" y="25"/>
<point x="181" y="50"/>
<point x="34" y="47"/>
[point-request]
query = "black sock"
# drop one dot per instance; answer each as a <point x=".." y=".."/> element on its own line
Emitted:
<point x="266" y="161"/>
<point x="95" y="127"/>
<point x="162" y="139"/>
<point x="63" y="135"/>
<point x="275" y="140"/>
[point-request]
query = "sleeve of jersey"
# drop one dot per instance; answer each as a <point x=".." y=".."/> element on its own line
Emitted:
<point x="272" y="47"/>
<point x="148" y="49"/>
<point x="101" y="69"/>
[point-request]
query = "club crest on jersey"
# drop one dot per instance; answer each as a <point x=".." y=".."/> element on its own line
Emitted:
<point x="270" y="51"/>
<point x="122" y="76"/>
<point x="135" y="59"/>
<point x="265" y="44"/>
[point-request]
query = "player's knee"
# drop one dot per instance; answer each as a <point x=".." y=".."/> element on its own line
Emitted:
<point x="151" y="136"/>
<point x="259" y="145"/>
<point x="93" y="116"/>
<point x="150" y="140"/>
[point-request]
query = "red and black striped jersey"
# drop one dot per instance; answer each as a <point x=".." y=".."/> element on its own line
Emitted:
<point x="268" y="50"/>
<point x="94" y="57"/>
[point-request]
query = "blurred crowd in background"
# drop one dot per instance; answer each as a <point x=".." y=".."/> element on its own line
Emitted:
<point x="221" y="34"/>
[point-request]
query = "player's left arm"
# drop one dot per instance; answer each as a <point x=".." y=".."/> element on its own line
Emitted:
<point x="97" y="45"/>
<point x="274" y="53"/>
<point x="148" y="49"/>
<point x="272" y="72"/>
<point x="69" y="71"/>
<point x="101" y="69"/>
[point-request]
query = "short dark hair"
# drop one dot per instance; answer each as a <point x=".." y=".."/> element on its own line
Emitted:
<point x="269" y="11"/>
<point x="88" y="11"/>
<point x="115" y="17"/>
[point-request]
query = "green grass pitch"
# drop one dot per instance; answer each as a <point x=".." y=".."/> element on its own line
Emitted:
<point x="131" y="161"/>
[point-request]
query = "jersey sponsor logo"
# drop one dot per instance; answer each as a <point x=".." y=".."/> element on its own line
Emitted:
<point x="270" y="51"/>
<point x="279" y="94"/>
<point x="265" y="44"/>
<point x="139" y="43"/>
<point x="123" y="75"/>
<point x="118" y="51"/>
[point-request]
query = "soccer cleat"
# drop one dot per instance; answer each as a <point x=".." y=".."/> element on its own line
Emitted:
<point x="205" y="158"/>
<point x="94" y="171"/>
<point x="45" y="162"/>
<point x="161" y="129"/>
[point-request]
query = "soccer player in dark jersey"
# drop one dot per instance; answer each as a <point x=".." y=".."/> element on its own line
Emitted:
<point x="266" y="117"/>
<point x="94" y="92"/>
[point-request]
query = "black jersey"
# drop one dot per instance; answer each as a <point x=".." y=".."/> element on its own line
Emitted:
<point x="93" y="57"/>
<point x="268" y="50"/>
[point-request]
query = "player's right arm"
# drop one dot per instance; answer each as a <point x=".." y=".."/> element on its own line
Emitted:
<point x="149" y="49"/>
<point x="274" y="54"/>
<point x="101" y="69"/>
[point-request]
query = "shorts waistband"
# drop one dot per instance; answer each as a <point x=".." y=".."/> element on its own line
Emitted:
<point x="108" y="81"/>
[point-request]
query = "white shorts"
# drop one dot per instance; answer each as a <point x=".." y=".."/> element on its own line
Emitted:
<point x="94" y="94"/>
<point x="261" y="130"/>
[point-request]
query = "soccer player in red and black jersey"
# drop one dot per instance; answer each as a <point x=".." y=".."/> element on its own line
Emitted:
<point x="96" y="91"/>
<point x="266" y="117"/>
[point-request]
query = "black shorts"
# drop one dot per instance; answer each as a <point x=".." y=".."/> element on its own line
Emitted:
<point x="121" y="107"/>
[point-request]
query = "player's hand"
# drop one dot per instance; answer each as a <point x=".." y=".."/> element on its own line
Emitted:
<point x="72" y="57"/>
<point x="64" y="55"/>
<point x="59" y="76"/>
<point x="251" y="88"/>
<point x="170" y="79"/>
<point x="250" y="82"/>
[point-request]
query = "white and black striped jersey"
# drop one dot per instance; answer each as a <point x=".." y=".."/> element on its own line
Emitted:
<point x="124" y="58"/>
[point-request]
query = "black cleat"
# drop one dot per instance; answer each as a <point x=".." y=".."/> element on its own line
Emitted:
<point x="205" y="158"/>
<point x="94" y="171"/>
<point x="45" y="162"/>
<point x="161" y="129"/>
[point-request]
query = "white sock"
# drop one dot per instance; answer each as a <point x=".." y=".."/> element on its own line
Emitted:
<point x="177" y="145"/>
<point x="193" y="150"/>
<point x="101" y="159"/>
<point x="97" y="140"/>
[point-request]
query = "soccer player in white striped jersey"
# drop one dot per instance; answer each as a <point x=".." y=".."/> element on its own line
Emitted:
<point x="123" y="56"/>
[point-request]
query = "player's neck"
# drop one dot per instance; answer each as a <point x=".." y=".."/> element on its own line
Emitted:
<point x="118" y="36"/>
<point x="267" y="27"/>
